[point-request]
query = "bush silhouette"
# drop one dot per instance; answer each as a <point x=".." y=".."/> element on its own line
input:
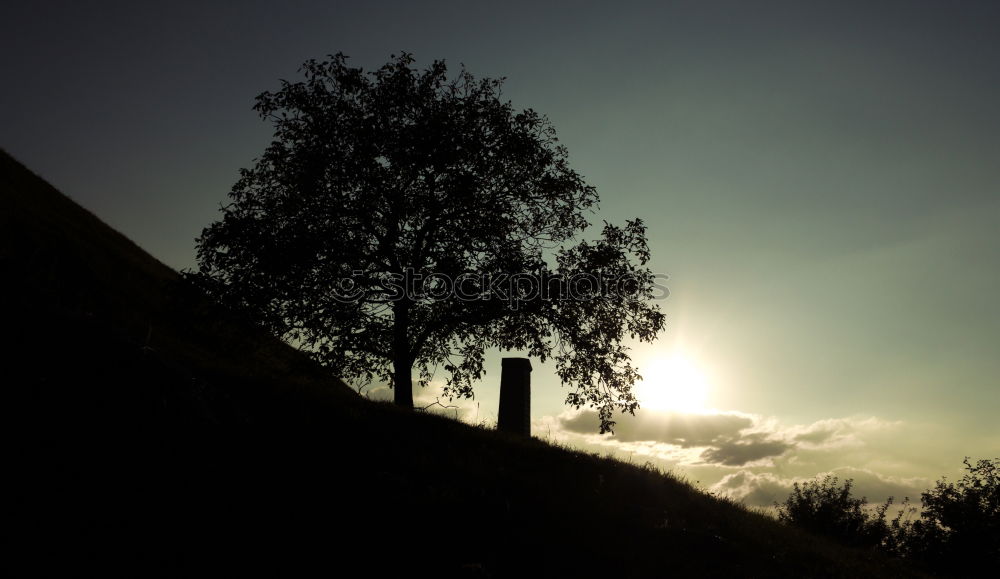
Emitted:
<point x="958" y="532"/>
<point x="826" y="507"/>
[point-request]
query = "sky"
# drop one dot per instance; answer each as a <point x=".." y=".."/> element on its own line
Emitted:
<point x="821" y="183"/>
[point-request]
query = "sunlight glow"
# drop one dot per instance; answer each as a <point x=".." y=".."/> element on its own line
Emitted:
<point x="675" y="383"/>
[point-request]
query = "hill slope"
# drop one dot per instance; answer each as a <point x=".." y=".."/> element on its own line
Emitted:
<point x="153" y="433"/>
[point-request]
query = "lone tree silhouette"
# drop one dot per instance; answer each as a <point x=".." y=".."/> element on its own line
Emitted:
<point x="403" y="220"/>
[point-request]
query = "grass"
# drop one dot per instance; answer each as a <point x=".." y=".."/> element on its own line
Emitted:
<point x="155" y="434"/>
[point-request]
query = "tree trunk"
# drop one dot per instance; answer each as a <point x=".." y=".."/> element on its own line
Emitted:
<point x="402" y="383"/>
<point x="402" y="361"/>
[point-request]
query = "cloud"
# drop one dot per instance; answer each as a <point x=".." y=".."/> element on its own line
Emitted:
<point x="723" y="439"/>
<point x="729" y="439"/>
<point x="836" y="432"/>
<point x="753" y="458"/>
<point x="765" y="488"/>
<point x="748" y="449"/>
<point x="755" y="489"/>
<point x="684" y="430"/>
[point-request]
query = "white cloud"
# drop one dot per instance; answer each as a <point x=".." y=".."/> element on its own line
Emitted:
<point x="730" y="439"/>
<point x="684" y="430"/>
<point x="755" y="489"/>
<point x="836" y="432"/>
<point x="766" y="488"/>
<point x="749" y="457"/>
<point x="724" y="438"/>
<point x="750" y="449"/>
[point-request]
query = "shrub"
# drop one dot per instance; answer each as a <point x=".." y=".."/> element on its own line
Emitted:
<point x="826" y="507"/>
<point x="959" y="530"/>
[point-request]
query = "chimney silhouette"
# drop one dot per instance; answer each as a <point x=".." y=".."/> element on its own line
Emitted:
<point x="515" y="396"/>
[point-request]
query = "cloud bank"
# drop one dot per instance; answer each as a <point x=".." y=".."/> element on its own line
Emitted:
<point x="731" y="439"/>
<point x="765" y="489"/>
<point x="749" y="457"/>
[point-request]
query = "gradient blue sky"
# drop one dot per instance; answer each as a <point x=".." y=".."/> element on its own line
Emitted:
<point x="821" y="181"/>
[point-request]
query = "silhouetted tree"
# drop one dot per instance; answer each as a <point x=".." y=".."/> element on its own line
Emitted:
<point x="957" y="533"/>
<point x="826" y="507"/>
<point x="402" y="220"/>
<point x="959" y="528"/>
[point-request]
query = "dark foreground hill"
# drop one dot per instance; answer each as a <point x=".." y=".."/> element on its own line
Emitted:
<point x="148" y="432"/>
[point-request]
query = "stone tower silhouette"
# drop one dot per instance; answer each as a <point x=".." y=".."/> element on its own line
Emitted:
<point x="515" y="396"/>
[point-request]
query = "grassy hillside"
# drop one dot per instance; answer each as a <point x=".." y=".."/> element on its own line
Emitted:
<point x="151" y="433"/>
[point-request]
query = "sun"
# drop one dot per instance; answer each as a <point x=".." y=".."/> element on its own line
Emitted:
<point x="674" y="383"/>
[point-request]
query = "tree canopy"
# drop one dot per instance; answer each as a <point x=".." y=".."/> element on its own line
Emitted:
<point x="404" y="220"/>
